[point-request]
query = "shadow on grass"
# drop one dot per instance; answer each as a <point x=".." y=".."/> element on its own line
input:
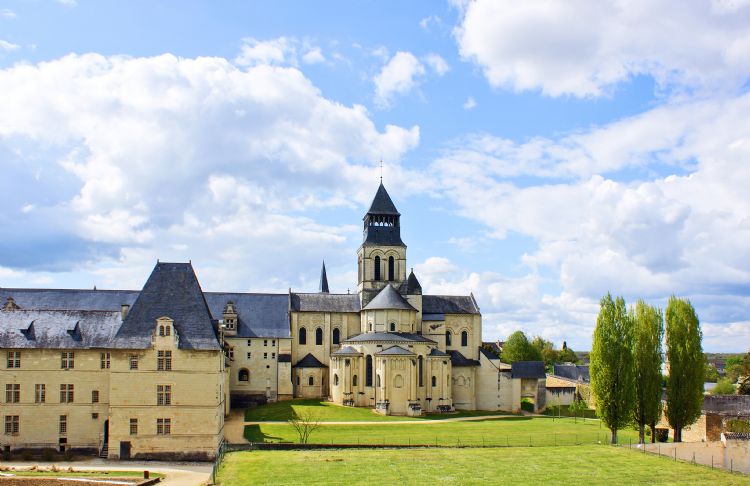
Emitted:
<point x="254" y="434"/>
<point x="279" y="411"/>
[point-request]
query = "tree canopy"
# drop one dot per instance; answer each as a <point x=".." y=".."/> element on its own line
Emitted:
<point x="648" y="331"/>
<point x="518" y="348"/>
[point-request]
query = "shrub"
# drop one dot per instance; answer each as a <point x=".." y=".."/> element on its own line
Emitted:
<point x="48" y="455"/>
<point x="738" y="425"/>
<point x="527" y="405"/>
<point x="723" y="387"/>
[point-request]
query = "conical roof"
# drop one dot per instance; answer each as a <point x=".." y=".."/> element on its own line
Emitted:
<point x="412" y="284"/>
<point x="382" y="203"/>
<point x="388" y="298"/>
<point x="323" y="280"/>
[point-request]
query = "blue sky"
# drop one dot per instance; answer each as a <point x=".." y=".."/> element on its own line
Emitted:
<point x="541" y="154"/>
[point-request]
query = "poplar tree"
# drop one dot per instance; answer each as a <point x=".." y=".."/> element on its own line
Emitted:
<point x="611" y="367"/>
<point x="686" y="365"/>
<point x="648" y="331"/>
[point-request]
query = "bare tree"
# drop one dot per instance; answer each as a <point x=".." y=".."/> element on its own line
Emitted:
<point x="305" y="423"/>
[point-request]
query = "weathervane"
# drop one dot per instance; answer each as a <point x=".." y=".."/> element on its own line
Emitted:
<point x="381" y="170"/>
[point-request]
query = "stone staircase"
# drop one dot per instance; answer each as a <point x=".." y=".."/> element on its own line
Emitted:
<point x="104" y="451"/>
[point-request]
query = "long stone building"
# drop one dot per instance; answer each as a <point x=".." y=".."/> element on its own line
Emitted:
<point x="152" y="373"/>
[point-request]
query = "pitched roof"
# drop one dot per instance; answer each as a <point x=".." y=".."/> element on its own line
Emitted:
<point x="437" y="352"/>
<point x="309" y="361"/>
<point x="433" y="317"/>
<point x="388" y="337"/>
<point x="258" y="315"/>
<point x="389" y="298"/>
<point x="382" y="203"/>
<point x="323" y="280"/>
<point x="346" y="351"/>
<point x="528" y="369"/>
<point x="395" y="351"/>
<point x="449" y="304"/>
<point x="487" y="354"/>
<point x="412" y="284"/>
<point x="572" y="372"/>
<point x="69" y="299"/>
<point x="325" y="302"/>
<point x="58" y="329"/>
<point x="172" y="290"/>
<point x="458" y="359"/>
<point x="557" y="382"/>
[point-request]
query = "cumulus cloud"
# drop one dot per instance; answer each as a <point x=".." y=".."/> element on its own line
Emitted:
<point x="470" y="103"/>
<point x="8" y="46"/>
<point x="289" y="51"/>
<point x="138" y="158"/>
<point x="437" y="64"/>
<point x="402" y="73"/>
<point x="7" y="13"/>
<point x="584" y="47"/>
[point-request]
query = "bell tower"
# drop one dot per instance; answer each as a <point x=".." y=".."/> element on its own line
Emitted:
<point x="381" y="259"/>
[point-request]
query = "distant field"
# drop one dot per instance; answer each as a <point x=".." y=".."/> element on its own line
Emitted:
<point x="518" y="466"/>
<point x="329" y="412"/>
<point x="501" y="431"/>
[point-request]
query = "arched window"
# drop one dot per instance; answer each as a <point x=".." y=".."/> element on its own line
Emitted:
<point x="377" y="268"/>
<point x="354" y="380"/>
<point x="464" y="338"/>
<point x="161" y="330"/>
<point x="420" y="366"/>
<point x="377" y="381"/>
<point x="319" y="337"/>
<point x="167" y="330"/>
<point x="393" y="327"/>
<point x="302" y="335"/>
<point x="244" y="375"/>
<point x="391" y="269"/>
<point x="311" y="381"/>
<point x="335" y="380"/>
<point x="434" y="381"/>
<point x="368" y="370"/>
<point x="336" y="336"/>
<point x="448" y="338"/>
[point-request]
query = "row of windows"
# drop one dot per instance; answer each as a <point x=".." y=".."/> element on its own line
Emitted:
<point x="368" y="372"/>
<point x="13" y="425"/>
<point x="67" y="360"/>
<point x="67" y="393"/>
<point x="265" y="342"/>
<point x="464" y="338"/>
<point x="354" y="380"/>
<point x="302" y="338"/>
<point x="391" y="268"/>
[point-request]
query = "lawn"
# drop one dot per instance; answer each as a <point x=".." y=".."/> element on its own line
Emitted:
<point x="329" y="412"/>
<point x="501" y="431"/>
<point x="543" y="465"/>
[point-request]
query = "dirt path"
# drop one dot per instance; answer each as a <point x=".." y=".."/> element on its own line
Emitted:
<point x="176" y="473"/>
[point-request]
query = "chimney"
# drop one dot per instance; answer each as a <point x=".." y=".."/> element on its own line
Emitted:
<point x="124" y="311"/>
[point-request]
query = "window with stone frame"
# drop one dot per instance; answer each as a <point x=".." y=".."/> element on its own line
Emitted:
<point x="40" y="393"/>
<point x="318" y="337"/>
<point x="134" y="426"/>
<point x="164" y="360"/>
<point x="133" y="360"/>
<point x="14" y="359"/>
<point x="104" y="361"/>
<point x="464" y="338"/>
<point x="163" y="426"/>
<point x="12" y="393"/>
<point x="336" y="336"/>
<point x="63" y="424"/>
<point x="94" y="396"/>
<point x="67" y="360"/>
<point x="66" y="393"/>
<point x="12" y="425"/>
<point x="163" y="395"/>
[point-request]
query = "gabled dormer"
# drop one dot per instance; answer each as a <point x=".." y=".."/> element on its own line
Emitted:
<point x="230" y="319"/>
<point x="165" y="334"/>
<point x="10" y="305"/>
<point x="76" y="333"/>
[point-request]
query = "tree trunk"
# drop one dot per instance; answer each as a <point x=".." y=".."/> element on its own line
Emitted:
<point x="614" y="436"/>
<point x="641" y="434"/>
<point x="678" y="434"/>
<point x="653" y="433"/>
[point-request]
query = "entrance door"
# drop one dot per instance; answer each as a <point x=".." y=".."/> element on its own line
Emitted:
<point x="106" y="431"/>
<point x="124" y="450"/>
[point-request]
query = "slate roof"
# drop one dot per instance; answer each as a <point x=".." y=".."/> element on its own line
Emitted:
<point x="382" y="203"/>
<point x="449" y="304"/>
<point x="528" y="369"/>
<point x="572" y="372"/>
<point x="323" y="280"/>
<point x="309" y="361"/>
<point x="488" y="354"/>
<point x="437" y="352"/>
<point x="458" y="359"/>
<point x="433" y="317"/>
<point x="58" y="329"/>
<point x="346" y="351"/>
<point x="388" y="336"/>
<point x="412" y="284"/>
<point x="389" y="298"/>
<point x="325" y="302"/>
<point x="395" y="351"/>
<point x="172" y="290"/>
<point x="259" y="315"/>
<point x="285" y="358"/>
<point x="69" y="299"/>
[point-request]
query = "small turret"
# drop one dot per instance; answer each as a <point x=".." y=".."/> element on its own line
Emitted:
<point x="412" y="285"/>
<point x="323" y="280"/>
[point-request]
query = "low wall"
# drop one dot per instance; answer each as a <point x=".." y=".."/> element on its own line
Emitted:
<point x="730" y="455"/>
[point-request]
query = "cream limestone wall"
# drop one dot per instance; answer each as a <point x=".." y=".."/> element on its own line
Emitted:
<point x="456" y="324"/>
<point x="381" y="320"/>
<point x="259" y="356"/>
<point x="464" y="382"/>
<point x="494" y="389"/>
<point x="302" y="384"/>
<point x="366" y="258"/>
<point x="39" y="422"/>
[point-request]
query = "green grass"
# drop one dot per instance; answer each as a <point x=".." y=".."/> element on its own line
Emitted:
<point x="545" y="465"/>
<point x="329" y="412"/>
<point x="502" y="431"/>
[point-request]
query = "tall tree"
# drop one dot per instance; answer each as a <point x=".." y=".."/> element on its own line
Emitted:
<point x="611" y="367"/>
<point x="518" y="348"/>
<point x="648" y="331"/>
<point x="546" y="350"/>
<point x="686" y="365"/>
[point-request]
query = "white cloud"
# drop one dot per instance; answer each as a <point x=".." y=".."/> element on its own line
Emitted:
<point x="437" y="64"/>
<point x="281" y="51"/>
<point x="470" y="103"/>
<point x="584" y="47"/>
<point x="313" y="56"/>
<point x="68" y="3"/>
<point x="188" y="159"/>
<point x="7" y="13"/>
<point x="8" y="46"/>
<point x="426" y="22"/>
<point x="397" y="77"/>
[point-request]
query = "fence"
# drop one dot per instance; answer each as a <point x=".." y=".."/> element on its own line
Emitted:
<point x="217" y="461"/>
<point x="732" y="456"/>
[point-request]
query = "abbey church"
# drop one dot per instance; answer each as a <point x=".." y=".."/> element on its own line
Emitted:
<point x="153" y="373"/>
